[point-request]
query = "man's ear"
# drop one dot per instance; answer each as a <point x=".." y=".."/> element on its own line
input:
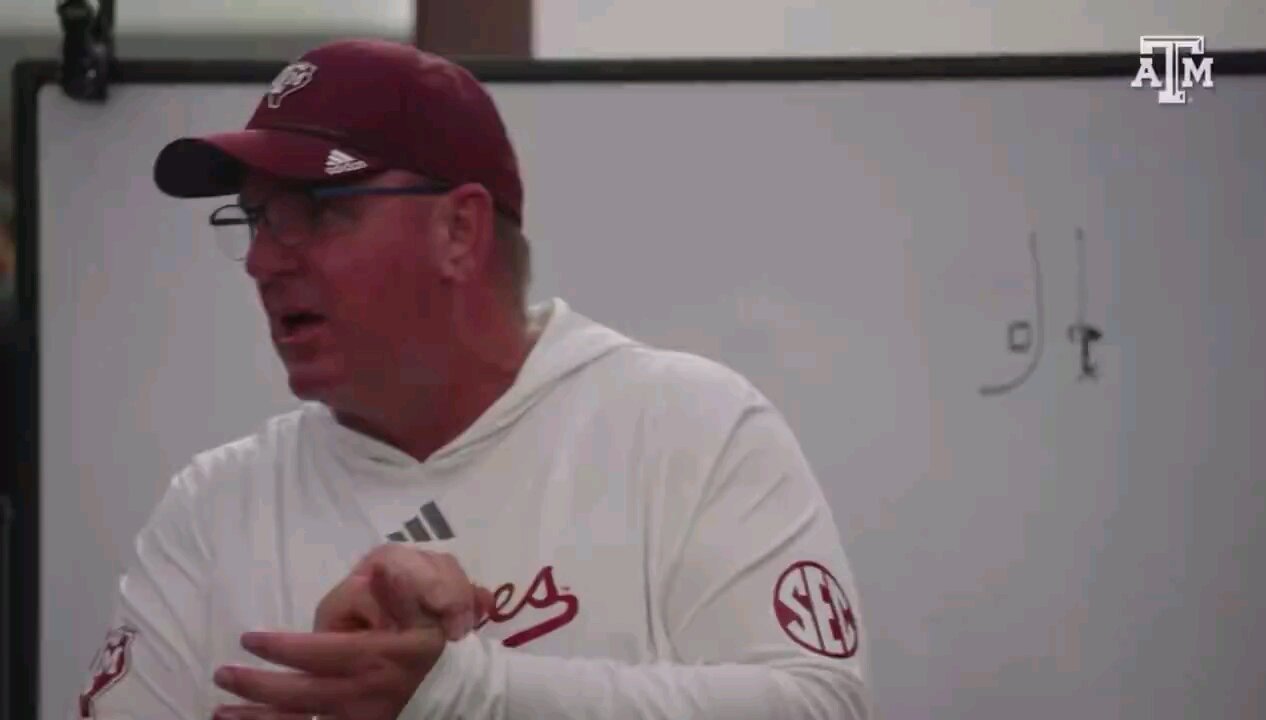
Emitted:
<point x="465" y="231"/>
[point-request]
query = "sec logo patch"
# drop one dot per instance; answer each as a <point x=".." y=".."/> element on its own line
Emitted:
<point x="108" y="667"/>
<point x="811" y="607"/>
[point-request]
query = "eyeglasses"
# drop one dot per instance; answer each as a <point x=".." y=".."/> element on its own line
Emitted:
<point x="293" y="218"/>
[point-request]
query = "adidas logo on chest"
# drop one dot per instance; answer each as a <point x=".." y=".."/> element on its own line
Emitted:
<point x="426" y="525"/>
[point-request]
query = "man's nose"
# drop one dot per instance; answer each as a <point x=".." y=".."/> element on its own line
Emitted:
<point x="269" y="254"/>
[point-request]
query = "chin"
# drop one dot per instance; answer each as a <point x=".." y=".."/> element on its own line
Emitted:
<point x="314" y="383"/>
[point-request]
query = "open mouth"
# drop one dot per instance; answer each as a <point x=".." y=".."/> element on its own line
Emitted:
<point x="297" y="322"/>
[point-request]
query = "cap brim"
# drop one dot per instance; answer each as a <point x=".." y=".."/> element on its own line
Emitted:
<point x="217" y="164"/>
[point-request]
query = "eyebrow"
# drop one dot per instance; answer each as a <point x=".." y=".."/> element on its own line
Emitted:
<point x="270" y="192"/>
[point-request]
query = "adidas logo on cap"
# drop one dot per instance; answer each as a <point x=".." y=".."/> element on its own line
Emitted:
<point x="340" y="162"/>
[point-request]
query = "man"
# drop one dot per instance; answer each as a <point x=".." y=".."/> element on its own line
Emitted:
<point x="653" y="541"/>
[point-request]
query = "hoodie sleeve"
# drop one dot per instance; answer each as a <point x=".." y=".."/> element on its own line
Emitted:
<point x="148" y="664"/>
<point x="759" y="607"/>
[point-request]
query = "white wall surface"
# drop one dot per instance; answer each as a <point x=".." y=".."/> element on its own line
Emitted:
<point x="598" y="28"/>
<point x="238" y="16"/>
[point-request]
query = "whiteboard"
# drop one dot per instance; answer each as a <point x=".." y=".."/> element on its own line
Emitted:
<point x="861" y="250"/>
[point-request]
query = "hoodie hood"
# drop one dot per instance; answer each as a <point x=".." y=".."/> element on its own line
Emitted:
<point x="568" y="343"/>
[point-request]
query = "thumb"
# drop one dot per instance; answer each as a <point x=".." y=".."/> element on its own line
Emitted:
<point x="393" y="596"/>
<point x="349" y="606"/>
<point x="483" y="602"/>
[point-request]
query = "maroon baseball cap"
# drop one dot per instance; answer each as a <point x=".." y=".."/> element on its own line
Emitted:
<point x="352" y="108"/>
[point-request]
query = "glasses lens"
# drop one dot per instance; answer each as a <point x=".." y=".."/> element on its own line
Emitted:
<point x="233" y="231"/>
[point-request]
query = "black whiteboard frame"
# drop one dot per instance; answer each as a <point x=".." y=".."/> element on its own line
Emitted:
<point x="21" y="480"/>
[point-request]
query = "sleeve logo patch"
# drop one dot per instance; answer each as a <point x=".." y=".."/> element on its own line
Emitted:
<point x="811" y="607"/>
<point x="108" y="667"/>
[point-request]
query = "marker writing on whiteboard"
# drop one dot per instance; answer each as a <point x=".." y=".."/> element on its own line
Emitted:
<point x="1020" y="337"/>
<point x="1080" y="332"/>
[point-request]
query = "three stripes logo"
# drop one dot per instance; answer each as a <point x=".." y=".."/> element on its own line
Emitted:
<point x="340" y="162"/>
<point x="429" y="524"/>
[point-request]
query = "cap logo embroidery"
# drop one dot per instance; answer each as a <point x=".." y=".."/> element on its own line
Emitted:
<point x="339" y="162"/>
<point x="294" y="77"/>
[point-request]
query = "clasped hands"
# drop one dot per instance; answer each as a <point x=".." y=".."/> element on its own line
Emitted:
<point x="375" y="638"/>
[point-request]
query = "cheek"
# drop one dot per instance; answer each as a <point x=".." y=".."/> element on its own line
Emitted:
<point x="380" y="301"/>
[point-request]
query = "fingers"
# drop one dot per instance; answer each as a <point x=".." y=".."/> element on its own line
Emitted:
<point x="339" y="654"/>
<point x="437" y="583"/>
<point x="388" y="590"/>
<point x="345" y="675"/>
<point x="322" y="653"/>
<point x="349" y="607"/>
<point x="459" y="618"/>
<point x="484" y="602"/>
<point x="284" y="691"/>
<point x="398" y="593"/>
<point x="407" y="588"/>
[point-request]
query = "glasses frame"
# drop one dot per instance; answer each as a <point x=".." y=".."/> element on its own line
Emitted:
<point x="254" y="214"/>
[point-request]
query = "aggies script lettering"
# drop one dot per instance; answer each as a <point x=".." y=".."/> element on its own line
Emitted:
<point x="542" y="594"/>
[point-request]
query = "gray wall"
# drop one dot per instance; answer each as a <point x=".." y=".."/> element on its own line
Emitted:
<point x="1071" y="549"/>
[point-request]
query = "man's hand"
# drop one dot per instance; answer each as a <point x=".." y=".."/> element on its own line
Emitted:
<point x="376" y="636"/>
<point x="366" y="675"/>
<point x="418" y="587"/>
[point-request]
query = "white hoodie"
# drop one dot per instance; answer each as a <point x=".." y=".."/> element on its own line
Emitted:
<point x="657" y="545"/>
